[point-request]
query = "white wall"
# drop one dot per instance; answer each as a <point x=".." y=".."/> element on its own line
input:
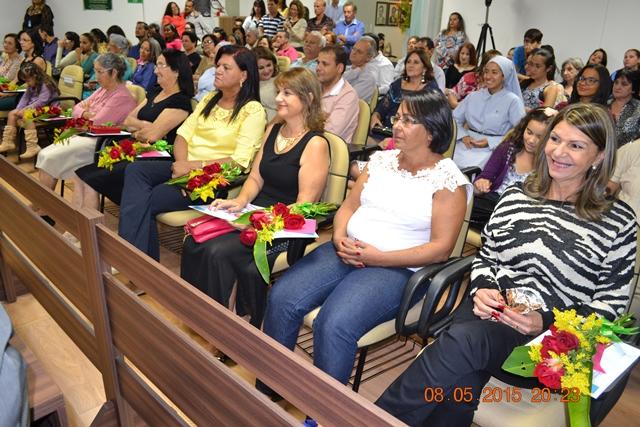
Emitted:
<point x="572" y="27"/>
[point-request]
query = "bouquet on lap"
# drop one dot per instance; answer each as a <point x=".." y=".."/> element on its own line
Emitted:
<point x="128" y="150"/>
<point x="77" y="126"/>
<point x="9" y="85"/>
<point x="203" y="183"/>
<point x="44" y="112"/>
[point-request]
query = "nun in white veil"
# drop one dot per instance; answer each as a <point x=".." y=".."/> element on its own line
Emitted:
<point x="486" y="115"/>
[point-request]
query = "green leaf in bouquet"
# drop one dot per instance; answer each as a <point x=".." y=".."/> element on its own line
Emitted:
<point x="313" y="210"/>
<point x="162" y="145"/>
<point x="519" y="362"/>
<point x="260" y="257"/>
<point x="244" y="218"/>
<point x="180" y="180"/>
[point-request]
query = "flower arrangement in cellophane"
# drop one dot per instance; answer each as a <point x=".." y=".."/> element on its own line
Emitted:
<point x="127" y="150"/>
<point x="203" y="183"/>
<point x="71" y="128"/>
<point x="9" y="85"/>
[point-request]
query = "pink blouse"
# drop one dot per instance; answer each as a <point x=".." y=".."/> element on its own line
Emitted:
<point x="108" y="105"/>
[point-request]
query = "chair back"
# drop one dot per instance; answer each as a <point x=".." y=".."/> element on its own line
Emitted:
<point x="284" y="62"/>
<point x="133" y="64"/>
<point x="374" y="99"/>
<point x="336" y="187"/>
<point x="138" y="92"/>
<point x="70" y="84"/>
<point x="194" y="104"/>
<point x="364" y="118"/>
<point x="49" y="68"/>
<point x="454" y="137"/>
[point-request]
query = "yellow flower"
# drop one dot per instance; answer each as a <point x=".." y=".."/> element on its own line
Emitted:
<point x="534" y="353"/>
<point x="579" y="380"/>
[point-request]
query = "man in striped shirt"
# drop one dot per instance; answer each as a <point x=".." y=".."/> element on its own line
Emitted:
<point x="272" y="22"/>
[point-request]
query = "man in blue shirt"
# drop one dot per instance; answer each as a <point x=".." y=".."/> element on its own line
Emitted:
<point x="532" y="41"/>
<point x="49" y="43"/>
<point x="349" y="30"/>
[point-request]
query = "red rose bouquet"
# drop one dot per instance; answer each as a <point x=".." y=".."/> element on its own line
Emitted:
<point x="202" y="183"/>
<point x="567" y="356"/>
<point x="264" y="224"/>
<point x="71" y="128"/>
<point x="41" y="113"/>
<point x="127" y="150"/>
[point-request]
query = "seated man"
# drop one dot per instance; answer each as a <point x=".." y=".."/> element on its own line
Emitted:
<point x="313" y="42"/>
<point x="426" y="44"/>
<point x="362" y="74"/>
<point x="383" y="67"/>
<point x="142" y="33"/>
<point x="339" y="99"/>
<point x="411" y="44"/>
<point x="282" y="47"/>
<point x="532" y="41"/>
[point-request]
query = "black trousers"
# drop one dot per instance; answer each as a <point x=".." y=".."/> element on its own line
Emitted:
<point x="483" y="206"/>
<point x="466" y="355"/>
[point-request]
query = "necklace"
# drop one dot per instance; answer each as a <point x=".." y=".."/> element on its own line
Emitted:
<point x="283" y="143"/>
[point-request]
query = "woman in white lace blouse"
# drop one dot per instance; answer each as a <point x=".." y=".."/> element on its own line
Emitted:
<point x="405" y="211"/>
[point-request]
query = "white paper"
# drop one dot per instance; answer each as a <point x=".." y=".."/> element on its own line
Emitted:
<point x="616" y="359"/>
<point x="156" y="155"/>
<point x="121" y="133"/>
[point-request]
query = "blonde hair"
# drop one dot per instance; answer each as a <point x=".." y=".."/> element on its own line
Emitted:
<point x="306" y="87"/>
<point x="595" y="122"/>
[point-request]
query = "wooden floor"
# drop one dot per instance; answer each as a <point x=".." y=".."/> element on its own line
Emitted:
<point x="80" y="381"/>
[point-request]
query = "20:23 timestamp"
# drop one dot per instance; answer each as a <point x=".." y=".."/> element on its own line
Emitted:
<point x="500" y="394"/>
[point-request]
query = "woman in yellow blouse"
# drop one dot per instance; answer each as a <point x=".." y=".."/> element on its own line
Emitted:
<point x="226" y="126"/>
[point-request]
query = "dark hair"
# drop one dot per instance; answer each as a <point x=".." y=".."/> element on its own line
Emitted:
<point x="98" y="35"/>
<point x="152" y="53"/>
<point x="533" y="34"/>
<point x="460" y="25"/>
<point x="223" y="34"/>
<point x="268" y="41"/>
<point x="261" y="6"/>
<point x="179" y="62"/>
<point x="427" y="41"/>
<point x="604" y="85"/>
<point x="91" y="39"/>
<point x="74" y="38"/>
<point x="604" y="56"/>
<point x="35" y="39"/>
<point x="155" y="27"/>
<point x="192" y="36"/>
<point x="431" y="109"/>
<point x="16" y="40"/>
<point x="632" y="77"/>
<point x="473" y="58"/>
<point x="173" y="29"/>
<point x="30" y="69"/>
<point x="168" y="11"/>
<point x="250" y="90"/>
<point x="46" y="28"/>
<point x="339" y="54"/>
<point x="146" y="26"/>
<point x="242" y="36"/>
<point x="549" y="65"/>
<point x="115" y="29"/>
<point x="157" y="37"/>
<point x="422" y="56"/>
<point x="264" y="53"/>
<point x="515" y="136"/>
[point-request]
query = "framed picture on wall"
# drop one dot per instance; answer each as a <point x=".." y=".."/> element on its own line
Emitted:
<point x="382" y="9"/>
<point x="393" y="17"/>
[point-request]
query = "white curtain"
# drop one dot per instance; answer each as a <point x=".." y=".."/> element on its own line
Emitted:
<point x="426" y="16"/>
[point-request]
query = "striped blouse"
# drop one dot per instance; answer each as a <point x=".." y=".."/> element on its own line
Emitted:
<point x="559" y="259"/>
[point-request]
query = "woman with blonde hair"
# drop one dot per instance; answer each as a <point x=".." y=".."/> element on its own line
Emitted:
<point x="292" y="166"/>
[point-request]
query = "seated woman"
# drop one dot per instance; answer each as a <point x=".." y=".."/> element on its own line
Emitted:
<point x="558" y="237"/>
<point x="465" y="62"/>
<point x="598" y="57"/>
<point x="110" y="103"/>
<point x="404" y="212"/>
<point x="539" y="90"/>
<point x="32" y="48"/>
<point x="158" y="117"/>
<point x="485" y="116"/>
<point x="226" y="126"/>
<point x="70" y="43"/>
<point x="84" y="55"/>
<point x="569" y="72"/>
<point x="171" y="38"/>
<point x="145" y="75"/>
<point x="630" y="62"/>
<point x="205" y="75"/>
<point x="416" y="77"/>
<point x="625" y="106"/>
<point x="268" y="70"/>
<point x="41" y="89"/>
<point x="9" y="66"/>
<point x="470" y="82"/>
<point x="292" y="166"/>
<point x="101" y="39"/>
<point x="190" y="45"/>
<point x="593" y="84"/>
<point x="511" y="162"/>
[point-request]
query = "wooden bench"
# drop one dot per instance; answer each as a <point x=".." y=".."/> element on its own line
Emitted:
<point x="45" y="397"/>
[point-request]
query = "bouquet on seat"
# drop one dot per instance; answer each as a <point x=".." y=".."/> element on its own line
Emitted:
<point x="203" y="183"/>
<point x="127" y="150"/>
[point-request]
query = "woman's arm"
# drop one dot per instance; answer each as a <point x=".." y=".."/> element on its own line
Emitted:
<point x="314" y="170"/>
<point x="70" y="59"/>
<point x="40" y="63"/>
<point x="132" y="122"/>
<point x="550" y="95"/>
<point x="347" y="209"/>
<point x="162" y="125"/>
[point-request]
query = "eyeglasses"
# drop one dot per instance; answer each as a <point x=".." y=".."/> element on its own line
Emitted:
<point x="588" y="80"/>
<point x="100" y="71"/>
<point x="207" y="41"/>
<point x="161" y="65"/>
<point x="405" y="120"/>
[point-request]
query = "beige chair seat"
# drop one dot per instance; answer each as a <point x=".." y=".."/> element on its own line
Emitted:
<point x="177" y="218"/>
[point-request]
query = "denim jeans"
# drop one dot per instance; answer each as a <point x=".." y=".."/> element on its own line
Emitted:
<point x="354" y="300"/>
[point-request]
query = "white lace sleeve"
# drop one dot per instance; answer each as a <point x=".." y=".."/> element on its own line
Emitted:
<point x="450" y="177"/>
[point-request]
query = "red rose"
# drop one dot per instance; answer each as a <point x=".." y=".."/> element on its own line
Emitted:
<point x="213" y="168"/>
<point x="194" y="183"/>
<point x="293" y="222"/>
<point x="549" y="375"/>
<point x="566" y="341"/>
<point x="280" y="209"/>
<point x="248" y="236"/>
<point x="549" y="343"/>
<point x="205" y="178"/>
<point x="115" y="153"/>
<point x="55" y="110"/>
<point x="126" y="145"/>
<point x="259" y="220"/>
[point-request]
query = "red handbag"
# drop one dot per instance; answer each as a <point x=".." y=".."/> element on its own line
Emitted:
<point x="206" y="228"/>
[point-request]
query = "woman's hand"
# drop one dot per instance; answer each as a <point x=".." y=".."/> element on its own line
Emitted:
<point x="61" y="43"/>
<point x="468" y="142"/>
<point x="347" y="251"/>
<point x="487" y="303"/>
<point x="375" y="121"/>
<point x="231" y="205"/>
<point x="527" y="324"/>
<point x="180" y="168"/>
<point x="480" y="143"/>
<point x="482" y="185"/>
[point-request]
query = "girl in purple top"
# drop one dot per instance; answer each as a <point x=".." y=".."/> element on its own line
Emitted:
<point x="510" y="162"/>
<point x="40" y="91"/>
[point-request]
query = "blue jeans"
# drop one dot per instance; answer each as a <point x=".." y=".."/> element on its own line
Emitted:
<point x="354" y="300"/>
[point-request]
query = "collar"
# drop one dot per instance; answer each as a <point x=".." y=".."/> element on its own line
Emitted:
<point x="336" y="89"/>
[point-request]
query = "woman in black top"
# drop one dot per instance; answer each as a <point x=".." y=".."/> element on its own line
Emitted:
<point x="292" y="166"/>
<point x="37" y="14"/>
<point x="156" y="118"/>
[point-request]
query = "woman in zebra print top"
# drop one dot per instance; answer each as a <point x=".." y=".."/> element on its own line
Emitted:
<point x="557" y="238"/>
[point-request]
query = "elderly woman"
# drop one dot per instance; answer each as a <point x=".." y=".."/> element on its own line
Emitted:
<point x="292" y="166"/>
<point x="404" y="212"/>
<point x="485" y="116"/>
<point x="110" y="103"/>
<point x="569" y="72"/>
<point x="117" y="45"/>
<point x="625" y="106"/>
<point x="226" y="127"/>
<point x="158" y="117"/>
<point x="557" y="237"/>
<point x="268" y="70"/>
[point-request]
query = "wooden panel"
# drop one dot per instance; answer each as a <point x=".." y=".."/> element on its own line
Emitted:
<point x="107" y="416"/>
<point x="302" y="384"/>
<point x="144" y="401"/>
<point x="51" y="254"/>
<point x="202" y="387"/>
<point x="48" y="200"/>
<point x="80" y="331"/>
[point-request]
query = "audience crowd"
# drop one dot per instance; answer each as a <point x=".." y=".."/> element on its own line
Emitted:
<point x="559" y="147"/>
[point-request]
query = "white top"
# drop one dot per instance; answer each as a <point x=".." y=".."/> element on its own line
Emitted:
<point x="627" y="174"/>
<point x="384" y="72"/>
<point x="395" y="206"/>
